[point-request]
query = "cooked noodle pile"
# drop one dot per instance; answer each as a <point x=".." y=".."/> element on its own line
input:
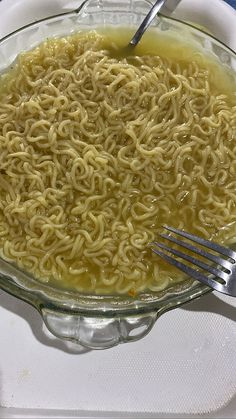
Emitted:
<point x="96" y="154"/>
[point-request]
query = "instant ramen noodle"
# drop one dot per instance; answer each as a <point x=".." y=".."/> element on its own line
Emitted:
<point x="98" y="151"/>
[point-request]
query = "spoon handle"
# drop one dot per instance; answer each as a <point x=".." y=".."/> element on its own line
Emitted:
<point x="146" y="22"/>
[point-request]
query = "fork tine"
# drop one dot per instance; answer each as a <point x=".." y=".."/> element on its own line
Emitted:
<point x="191" y="272"/>
<point x="210" y="245"/>
<point x="217" y="259"/>
<point x="194" y="261"/>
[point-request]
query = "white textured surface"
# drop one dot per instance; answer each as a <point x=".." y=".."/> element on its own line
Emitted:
<point x="187" y="364"/>
<point x="209" y="13"/>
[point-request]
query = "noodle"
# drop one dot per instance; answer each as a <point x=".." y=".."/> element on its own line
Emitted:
<point x="97" y="153"/>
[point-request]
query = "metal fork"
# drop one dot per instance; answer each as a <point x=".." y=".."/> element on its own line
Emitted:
<point x="222" y="276"/>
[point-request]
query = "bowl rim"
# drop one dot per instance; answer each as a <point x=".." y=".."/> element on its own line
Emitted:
<point x="40" y="295"/>
<point x="78" y="9"/>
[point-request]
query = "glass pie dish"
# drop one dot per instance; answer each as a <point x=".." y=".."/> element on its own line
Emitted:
<point x="94" y="321"/>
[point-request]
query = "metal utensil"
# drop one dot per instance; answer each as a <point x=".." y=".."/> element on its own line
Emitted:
<point x="146" y="22"/>
<point x="222" y="276"/>
<point x="129" y="49"/>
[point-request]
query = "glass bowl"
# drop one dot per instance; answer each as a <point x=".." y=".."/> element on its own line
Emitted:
<point x="94" y="321"/>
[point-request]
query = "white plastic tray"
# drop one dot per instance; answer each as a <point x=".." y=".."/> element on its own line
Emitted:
<point x="185" y="367"/>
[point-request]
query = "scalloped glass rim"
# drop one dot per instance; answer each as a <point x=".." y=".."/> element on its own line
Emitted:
<point x="42" y="295"/>
<point x="77" y="10"/>
<point x="26" y="288"/>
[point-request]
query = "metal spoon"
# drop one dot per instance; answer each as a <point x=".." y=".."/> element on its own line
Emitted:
<point x="146" y="22"/>
<point x="123" y="52"/>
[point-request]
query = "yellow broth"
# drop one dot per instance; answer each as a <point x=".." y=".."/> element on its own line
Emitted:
<point x="99" y="151"/>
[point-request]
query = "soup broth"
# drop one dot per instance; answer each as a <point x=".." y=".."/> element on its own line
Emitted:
<point x="98" y="151"/>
